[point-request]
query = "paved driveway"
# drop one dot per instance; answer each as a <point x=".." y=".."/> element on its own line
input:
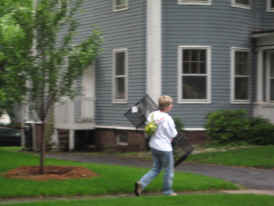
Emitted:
<point x="250" y="178"/>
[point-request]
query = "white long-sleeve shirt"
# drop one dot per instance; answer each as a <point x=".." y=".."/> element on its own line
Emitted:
<point x="166" y="130"/>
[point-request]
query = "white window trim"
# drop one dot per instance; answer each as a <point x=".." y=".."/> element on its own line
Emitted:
<point x="119" y="142"/>
<point x="179" y="69"/>
<point x="232" y="80"/>
<point x="237" y="5"/>
<point x="154" y="49"/>
<point x="114" y="100"/>
<point x="268" y="79"/>
<point x="268" y="7"/>
<point x="117" y="10"/>
<point x="260" y="77"/>
<point x="181" y="2"/>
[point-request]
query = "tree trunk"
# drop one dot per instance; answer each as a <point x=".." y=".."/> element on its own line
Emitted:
<point x="42" y="149"/>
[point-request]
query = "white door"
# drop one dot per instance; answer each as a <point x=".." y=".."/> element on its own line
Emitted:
<point x="269" y="77"/>
<point x="88" y="95"/>
<point x="265" y="84"/>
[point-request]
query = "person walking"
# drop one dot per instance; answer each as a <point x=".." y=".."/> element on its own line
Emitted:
<point x="161" y="148"/>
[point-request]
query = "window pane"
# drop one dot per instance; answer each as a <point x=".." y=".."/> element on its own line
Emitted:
<point x="123" y="138"/>
<point x="272" y="65"/>
<point x="241" y="63"/>
<point x="203" y="68"/>
<point x="120" y="63"/>
<point x="272" y="4"/>
<point x="194" y="87"/>
<point x="195" y="68"/>
<point x="120" y="4"/>
<point x="272" y="90"/>
<point x="120" y="88"/>
<point x="194" y="61"/>
<point x="195" y="55"/>
<point x="186" y="55"/>
<point x="203" y="55"/>
<point x="186" y="66"/>
<point x="241" y="88"/>
<point x="245" y="2"/>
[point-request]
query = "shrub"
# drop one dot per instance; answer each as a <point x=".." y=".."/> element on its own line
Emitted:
<point x="227" y="125"/>
<point x="260" y="132"/>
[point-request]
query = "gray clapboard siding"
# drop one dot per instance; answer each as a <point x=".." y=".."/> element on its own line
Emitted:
<point x="219" y="26"/>
<point x="124" y="29"/>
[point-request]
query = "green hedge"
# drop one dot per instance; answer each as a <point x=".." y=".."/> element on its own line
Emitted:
<point x="261" y="131"/>
<point x="226" y="126"/>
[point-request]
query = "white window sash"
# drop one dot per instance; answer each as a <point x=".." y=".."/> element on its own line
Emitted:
<point x="269" y="7"/>
<point x="234" y="76"/>
<point x="268" y="79"/>
<point x="270" y="91"/>
<point x="121" y="7"/>
<point x="120" y="142"/>
<point x="197" y="75"/>
<point x="115" y="77"/>
<point x="193" y="2"/>
<point x="207" y="100"/>
<point x="234" y="3"/>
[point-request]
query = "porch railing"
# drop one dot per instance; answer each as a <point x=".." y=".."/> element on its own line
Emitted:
<point x="77" y="111"/>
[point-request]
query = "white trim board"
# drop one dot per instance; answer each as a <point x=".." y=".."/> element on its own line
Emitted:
<point x="179" y="69"/>
<point x="114" y="9"/>
<point x="154" y="49"/>
<point x="193" y="2"/>
<point x="139" y="129"/>
<point x="268" y="7"/>
<point x="239" y="5"/>
<point x="232" y="75"/>
<point x="117" y="127"/>
<point x="260" y="76"/>
<point x="268" y="76"/>
<point x="114" y="100"/>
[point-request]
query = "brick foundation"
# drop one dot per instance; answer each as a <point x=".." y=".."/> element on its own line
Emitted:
<point x="106" y="139"/>
<point x="196" y="137"/>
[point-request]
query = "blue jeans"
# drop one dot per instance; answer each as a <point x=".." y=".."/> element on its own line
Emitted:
<point x="161" y="160"/>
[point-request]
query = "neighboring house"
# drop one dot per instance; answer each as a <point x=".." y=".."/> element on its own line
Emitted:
<point x="206" y="54"/>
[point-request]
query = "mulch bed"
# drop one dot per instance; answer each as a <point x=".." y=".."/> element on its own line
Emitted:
<point x="51" y="173"/>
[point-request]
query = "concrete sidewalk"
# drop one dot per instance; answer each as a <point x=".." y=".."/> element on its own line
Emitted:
<point x="250" y="178"/>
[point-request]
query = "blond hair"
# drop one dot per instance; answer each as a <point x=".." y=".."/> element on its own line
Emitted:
<point x="164" y="101"/>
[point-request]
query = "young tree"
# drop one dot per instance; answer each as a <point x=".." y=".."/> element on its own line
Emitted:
<point x="15" y="44"/>
<point x="57" y="63"/>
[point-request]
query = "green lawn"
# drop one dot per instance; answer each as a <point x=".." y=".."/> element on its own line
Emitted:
<point x="248" y="156"/>
<point x="111" y="180"/>
<point x="262" y="157"/>
<point x="182" y="200"/>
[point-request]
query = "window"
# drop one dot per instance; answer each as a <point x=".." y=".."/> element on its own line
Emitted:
<point x="240" y="75"/>
<point x="121" y="138"/>
<point x="119" y="5"/>
<point x="120" y="70"/>
<point x="195" y="2"/>
<point x="270" y="5"/>
<point x="194" y="74"/>
<point x="246" y="4"/>
<point x="270" y="80"/>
